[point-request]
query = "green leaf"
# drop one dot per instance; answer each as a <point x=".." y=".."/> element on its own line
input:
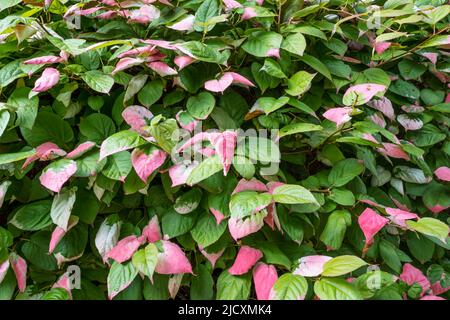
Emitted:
<point x="204" y="170"/>
<point x="292" y="194"/>
<point x="231" y="287"/>
<point x="120" y="141"/>
<point x="145" y="260"/>
<point x="118" y="166"/>
<point x="299" y="83"/>
<point x="202" y="285"/>
<point x="8" y="4"/>
<point x="188" y="201"/>
<point x="260" y="43"/>
<point x="56" y="294"/>
<point x="201" y="106"/>
<point x="207" y="231"/>
<point x="120" y="277"/>
<point x="289" y="287"/>
<point x="344" y="171"/>
<point x="97" y="127"/>
<point x="294" y="43"/>
<point x="333" y="233"/>
<point x="98" y="81"/>
<point x="203" y="21"/>
<point x="58" y="132"/>
<point x="203" y="52"/>
<point x="342" y="196"/>
<point x="245" y="203"/>
<point x="273" y="68"/>
<point x="26" y="108"/>
<point x="33" y="216"/>
<point x="342" y="265"/>
<point x="336" y="289"/>
<point x="175" y="224"/>
<point x="151" y="93"/>
<point x="431" y="227"/>
<point x="317" y="65"/>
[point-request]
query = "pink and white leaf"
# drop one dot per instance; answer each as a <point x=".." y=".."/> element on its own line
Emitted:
<point x="145" y="164"/>
<point x="43" y="60"/>
<point x="19" y="266"/>
<point x="162" y="68"/>
<point x="394" y="151"/>
<point x="126" y="63"/>
<point x="240" y="228"/>
<point x="338" y="115"/>
<point x="186" y="24"/>
<point x="231" y="4"/>
<point x="183" y="61"/>
<point x="409" y="123"/>
<point x="49" y="78"/>
<point x="225" y="146"/>
<point x="152" y="232"/>
<point x="212" y="257"/>
<point x="250" y="185"/>
<point x="443" y="173"/>
<point x="311" y="266"/>
<point x="219" y="85"/>
<point x="4" y="267"/>
<point x="364" y="92"/>
<point x="180" y="172"/>
<point x="399" y="216"/>
<point x="137" y="117"/>
<point x="56" y="174"/>
<point x="172" y="260"/>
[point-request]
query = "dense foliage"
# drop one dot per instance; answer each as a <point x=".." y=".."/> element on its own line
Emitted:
<point x="128" y="168"/>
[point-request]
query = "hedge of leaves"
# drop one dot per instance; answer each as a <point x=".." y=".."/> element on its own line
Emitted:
<point x="347" y="197"/>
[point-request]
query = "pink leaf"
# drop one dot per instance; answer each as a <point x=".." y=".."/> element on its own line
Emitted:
<point x="174" y="285"/>
<point x="148" y="50"/>
<point x="231" y="4"/>
<point x="172" y="260"/>
<point x="366" y="91"/>
<point x="4" y="267"/>
<point x="197" y="138"/>
<point x="393" y="150"/>
<point x="378" y="119"/>
<point x="124" y="249"/>
<point x="384" y="105"/>
<point x="250" y="185"/>
<point x="380" y="47"/>
<point x="49" y="78"/>
<point x="264" y="277"/>
<point x="126" y="63"/>
<point x="44" y="60"/>
<point x="152" y="232"/>
<point x="80" y="150"/>
<point x="59" y="233"/>
<point x="435" y="287"/>
<point x="238" y="79"/>
<point x="399" y="216"/>
<point x="370" y="223"/>
<point x="225" y="146"/>
<point x="145" y="164"/>
<point x="438" y="208"/>
<point x="217" y="214"/>
<point x="311" y="266"/>
<point x="19" y="266"/>
<point x="183" y="61"/>
<point x="432" y="298"/>
<point x="162" y="68"/>
<point x="186" y="24"/>
<point x="161" y="43"/>
<point x="219" y="85"/>
<point x="274" y="52"/>
<point x="443" y="173"/>
<point x="338" y="115"/>
<point x="180" y="172"/>
<point x="245" y="260"/>
<point x="412" y="275"/>
<point x="64" y="283"/>
<point x="249" y="13"/>
<point x="212" y="257"/>
<point x="145" y="14"/>
<point x="44" y="152"/>
<point x="430" y="56"/>
<point x="137" y="117"/>
<point x="53" y="178"/>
